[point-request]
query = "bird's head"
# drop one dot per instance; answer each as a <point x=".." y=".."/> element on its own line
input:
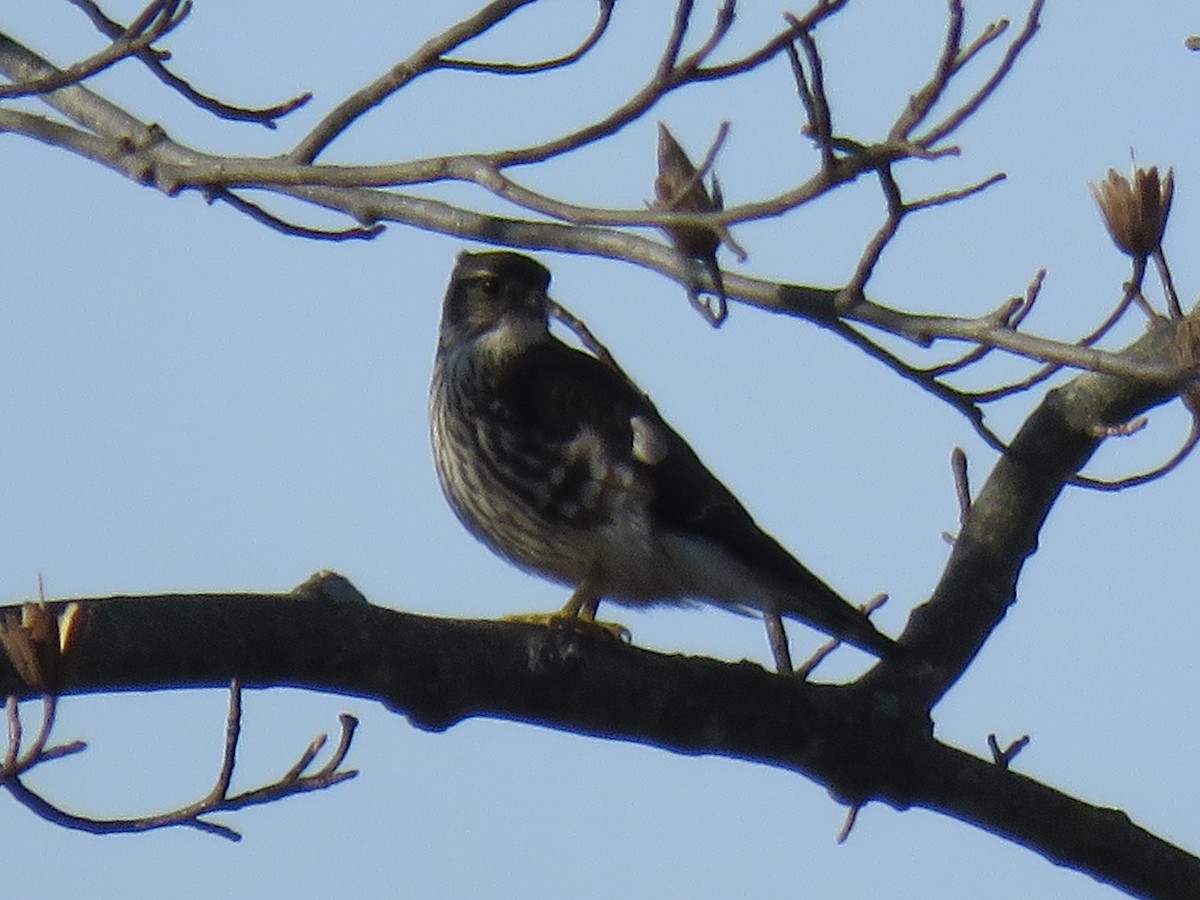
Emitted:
<point x="498" y="299"/>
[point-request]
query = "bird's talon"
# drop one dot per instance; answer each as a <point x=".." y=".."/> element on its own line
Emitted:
<point x="561" y="621"/>
<point x="614" y="630"/>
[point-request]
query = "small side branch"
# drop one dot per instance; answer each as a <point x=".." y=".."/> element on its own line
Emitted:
<point x="1003" y="756"/>
<point x="155" y="60"/>
<point x="426" y="58"/>
<point x="157" y="19"/>
<point x="194" y="815"/>
<point x="960" y="115"/>
<point x="806" y="668"/>
<point x="810" y="86"/>
<point x="501" y="68"/>
<point x="256" y="212"/>
<point x="17" y="761"/>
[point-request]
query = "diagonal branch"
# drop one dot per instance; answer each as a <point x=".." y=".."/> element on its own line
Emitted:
<point x="1002" y="526"/>
<point x="423" y="60"/>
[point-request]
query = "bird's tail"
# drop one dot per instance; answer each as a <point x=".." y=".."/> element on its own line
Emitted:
<point x="821" y="606"/>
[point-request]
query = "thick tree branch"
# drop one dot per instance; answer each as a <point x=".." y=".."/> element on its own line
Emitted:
<point x="437" y="672"/>
<point x="1001" y="528"/>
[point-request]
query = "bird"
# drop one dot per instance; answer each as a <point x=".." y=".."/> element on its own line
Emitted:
<point x="558" y="462"/>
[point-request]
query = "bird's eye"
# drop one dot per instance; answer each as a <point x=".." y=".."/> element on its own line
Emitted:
<point x="490" y="286"/>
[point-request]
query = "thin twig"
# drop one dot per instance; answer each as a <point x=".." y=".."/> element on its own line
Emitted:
<point x="427" y="57"/>
<point x="589" y="340"/>
<point x="670" y="73"/>
<point x="273" y="221"/>
<point x="1164" y="272"/>
<point x="956" y="399"/>
<point x="1003" y="757"/>
<point x="157" y="19"/>
<point x="495" y="68"/>
<point x="13" y="718"/>
<point x="1048" y="370"/>
<point x="724" y="21"/>
<point x="1120" y="484"/>
<point x="806" y="668"/>
<point x="233" y="732"/>
<point x="1012" y="315"/>
<point x="294" y="781"/>
<point x="852" y="294"/>
<point x="955" y="195"/>
<point x="154" y="62"/>
<point x="772" y="48"/>
<point x="17" y="762"/>
<point x="920" y="103"/>
<point x="812" y="90"/>
<point x="952" y="122"/>
<point x="962" y="483"/>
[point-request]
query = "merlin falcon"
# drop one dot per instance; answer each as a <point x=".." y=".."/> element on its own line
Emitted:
<point x="555" y="460"/>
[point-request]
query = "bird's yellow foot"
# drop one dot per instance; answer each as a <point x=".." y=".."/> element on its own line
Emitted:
<point x="566" y="621"/>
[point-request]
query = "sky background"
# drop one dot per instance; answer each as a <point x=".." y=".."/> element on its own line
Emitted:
<point x="192" y="402"/>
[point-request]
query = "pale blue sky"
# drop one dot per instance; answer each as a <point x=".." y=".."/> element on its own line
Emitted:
<point x="192" y="402"/>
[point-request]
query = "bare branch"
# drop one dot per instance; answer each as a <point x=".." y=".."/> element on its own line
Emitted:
<point x="425" y="59"/>
<point x="953" y="196"/>
<point x="867" y="740"/>
<point x="160" y="17"/>
<point x="1048" y="370"/>
<point x="924" y="329"/>
<point x="1006" y="515"/>
<point x="805" y="669"/>
<point x="1012" y="315"/>
<point x="602" y="21"/>
<point x="848" y="824"/>
<point x="772" y="48"/>
<point x="962" y="483"/>
<point x="294" y="781"/>
<point x="289" y="228"/>
<point x="589" y="340"/>
<point x="154" y="61"/>
<point x="233" y="732"/>
<point x="952" y="122"/>
<point x="1120" y="484"/>
<point x="920" y="103"/>
<point x="852" y="293"/>
<point x="812" y="90"/>
<point x="1004" y="757"/>
<point x="18" y="761"/>
<point x="1174" y="309"/>
<point x="146" y="154"/>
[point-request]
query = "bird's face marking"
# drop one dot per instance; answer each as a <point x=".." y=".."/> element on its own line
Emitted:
<point x="500" y="297"/>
